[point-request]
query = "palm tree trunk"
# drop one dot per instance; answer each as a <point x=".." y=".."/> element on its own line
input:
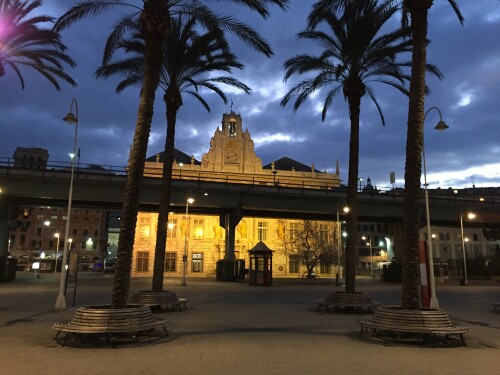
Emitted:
<point x="166" y="185"/>
<point x="352" y="193"/>
<point x="413" y="167"/>
<point x="152" y="61"/>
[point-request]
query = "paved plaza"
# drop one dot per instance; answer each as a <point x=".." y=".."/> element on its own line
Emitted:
<point x="237" y="329"/>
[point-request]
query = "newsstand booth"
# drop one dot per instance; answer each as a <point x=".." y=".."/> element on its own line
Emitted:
<point x="261" y="265"/>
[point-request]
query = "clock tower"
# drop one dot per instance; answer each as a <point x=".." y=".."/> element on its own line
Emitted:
<point x="231" y="148"/>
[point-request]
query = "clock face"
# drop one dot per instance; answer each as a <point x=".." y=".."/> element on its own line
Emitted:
<point x="231" y="129"/>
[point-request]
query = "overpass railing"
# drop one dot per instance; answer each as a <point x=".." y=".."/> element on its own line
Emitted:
<point x="94" y="172"/>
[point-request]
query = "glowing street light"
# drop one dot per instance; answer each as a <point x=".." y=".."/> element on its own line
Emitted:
<point x="470" y="216"/>
<point x="441" y="126"/>
<point x="189" y="200"/>
<point x="71" y="119"/>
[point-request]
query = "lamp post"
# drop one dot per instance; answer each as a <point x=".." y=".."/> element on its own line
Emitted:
<point x="189" y="201"/>
<point x="56" y="235"/>
<point x="441" y="126"/>
<point x="371" y="254"/>
<point x="71" y="119"/>
<point x="470" y="215"/>
<point x="339" y="238"/>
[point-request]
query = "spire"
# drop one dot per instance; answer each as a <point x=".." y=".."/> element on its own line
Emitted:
<point x="337" y="170"/>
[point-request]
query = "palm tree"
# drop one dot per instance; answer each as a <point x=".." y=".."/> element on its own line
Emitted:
<point x="187" y="58"/>
<point x="354" y="54"/>
<point x="24" y="43"/>
<point x="418" y="12"/>
<point x="154" y="17"/>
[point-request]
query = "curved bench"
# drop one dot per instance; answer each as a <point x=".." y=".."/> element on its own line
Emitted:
<point x="392" y="320"/>
<point x="153" y="299"/>
<point x="342" y="301"/>
<point x="134" y="320"/>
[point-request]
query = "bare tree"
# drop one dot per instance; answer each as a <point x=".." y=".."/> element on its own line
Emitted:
<point x="311" y="242"/>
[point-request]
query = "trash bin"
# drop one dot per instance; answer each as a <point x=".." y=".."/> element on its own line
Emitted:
<point x="11" y="269"/>
<point x="225" y="270"/>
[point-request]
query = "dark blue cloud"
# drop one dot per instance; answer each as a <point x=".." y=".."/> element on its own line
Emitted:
<point x="468" y="56"/>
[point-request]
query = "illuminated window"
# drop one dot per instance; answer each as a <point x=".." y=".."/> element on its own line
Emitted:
<point x="198" y="229"/>
<point x="325" y="267"/>
<point x="293" y="264"/>
<point x="172" y="228"/>
<point x="144" y="231"/>
<point x="294" y="229"/>
<point x="323" y="232"/>
<point x="262" y="231"/>
<point x="144" y="227"/>
<point x="197" y="262"/>
<point x="170" y="262"/>
<point x="142" y="261"/>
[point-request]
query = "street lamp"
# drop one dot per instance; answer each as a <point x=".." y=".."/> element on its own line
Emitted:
<point x="71" y="119"/>
<point x="471" y="216"/>
<point x="189" y="200"/>
<point x="56" y="235"/>
<point x="441" y="126"/>
<point x="371" y="255"/>
<point x="339" y="238"/>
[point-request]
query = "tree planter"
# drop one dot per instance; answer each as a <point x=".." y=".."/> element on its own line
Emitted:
<point x="158" y="299"/>
<point x="103" y="322"/>
<point x="393" y="321"/>
<point x="344" y="301"/>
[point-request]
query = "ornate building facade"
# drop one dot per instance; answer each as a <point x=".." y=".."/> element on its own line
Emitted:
<point x="231" y="158"/>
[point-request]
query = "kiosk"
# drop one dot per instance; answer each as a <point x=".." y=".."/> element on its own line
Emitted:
<point x="261" y="265"/>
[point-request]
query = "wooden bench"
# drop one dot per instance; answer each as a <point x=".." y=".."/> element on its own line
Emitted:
<point x="392" y="320"/>
<point x="359" y="302"/>
<point x="102" y="321"/>
<point x="158" y="299"/>
<point x="496" y="306"/>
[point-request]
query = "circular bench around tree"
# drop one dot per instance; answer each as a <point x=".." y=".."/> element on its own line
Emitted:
<point x="390" y="321"/>
<point x="343" y="301"/>
<point x="158" y="299"/>
<point x="102" y="321"/>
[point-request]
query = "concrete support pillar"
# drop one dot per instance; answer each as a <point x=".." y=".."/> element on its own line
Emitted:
<point x="230" y="228"/>
<point x="229" y="221"/>
<point x="4" y="235"/>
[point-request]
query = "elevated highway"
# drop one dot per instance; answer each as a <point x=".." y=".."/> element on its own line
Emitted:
<point x="105" y="188"/>
<point x="230" y="200"/>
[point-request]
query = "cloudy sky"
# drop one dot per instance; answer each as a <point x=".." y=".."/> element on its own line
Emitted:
<point x="468" y="152"/>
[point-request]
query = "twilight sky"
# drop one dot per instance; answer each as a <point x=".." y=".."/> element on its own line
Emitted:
<point x="468" y="152"/>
